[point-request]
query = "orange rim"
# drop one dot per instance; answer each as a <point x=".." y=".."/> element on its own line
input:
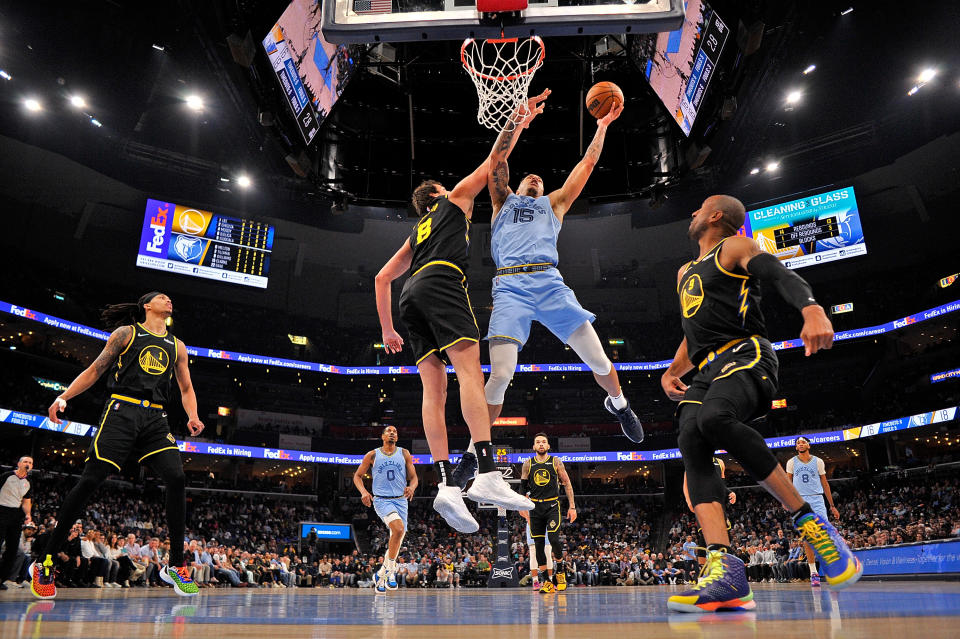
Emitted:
<point x="502" y="78"/>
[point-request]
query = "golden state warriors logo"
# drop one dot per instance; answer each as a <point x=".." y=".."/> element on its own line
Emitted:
<point x="191" y="221"/>
<point x="541" y="477"/>
<point x="154" y="360"/>
<point x="691" y="296"/>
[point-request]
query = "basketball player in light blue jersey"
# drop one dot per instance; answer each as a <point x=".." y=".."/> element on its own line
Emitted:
<point x="529" y="287"/>
<point x="810" y="479"/>
<point x="394" y="482"/>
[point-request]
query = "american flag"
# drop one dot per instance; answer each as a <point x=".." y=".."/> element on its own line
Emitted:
<point x="372" y="6"/>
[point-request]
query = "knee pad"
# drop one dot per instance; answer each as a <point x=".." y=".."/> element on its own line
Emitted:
<point x="586" y="344"/>
<point x="503" y="363"/>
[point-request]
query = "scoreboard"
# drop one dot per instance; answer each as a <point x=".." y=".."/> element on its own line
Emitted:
<point x="189" y="241"/>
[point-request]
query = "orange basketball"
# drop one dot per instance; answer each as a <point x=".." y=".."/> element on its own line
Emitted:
<point x="601" y="97"/>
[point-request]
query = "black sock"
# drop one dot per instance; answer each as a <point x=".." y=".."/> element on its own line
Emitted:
<point x="484" y="457"/>
<point x="803" y="510"/>
<point x="444" y="470"/>
<point x="718" y="547"/>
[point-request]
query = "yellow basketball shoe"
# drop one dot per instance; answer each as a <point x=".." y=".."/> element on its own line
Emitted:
<point x="561" y="582"/>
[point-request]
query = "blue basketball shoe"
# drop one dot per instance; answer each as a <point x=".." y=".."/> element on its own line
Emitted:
<point x="392" y="581"/>
<point x="722" y="585"/>
<point x="838" y="565"/>
<point x="379" y="583"/>
<point x="629" y="422"/>
<point x="465" y="471"/>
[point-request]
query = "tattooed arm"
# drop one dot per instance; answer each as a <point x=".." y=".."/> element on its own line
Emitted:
<point x="118" y="341"/>
<point x="563" y="198"/>
<point x="498" y="176"/>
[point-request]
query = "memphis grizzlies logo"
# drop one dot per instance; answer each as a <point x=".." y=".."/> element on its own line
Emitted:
<point x="188" y="249"/>
<point x="848" y="231"/>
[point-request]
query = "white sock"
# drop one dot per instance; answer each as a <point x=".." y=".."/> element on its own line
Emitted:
<point x="390" y="565"/>
<point x="813" y="568"/>
<point x="472" y="449"/>
<point x="619" y="402"/>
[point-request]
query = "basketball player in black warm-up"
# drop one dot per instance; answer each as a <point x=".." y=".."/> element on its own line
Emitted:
<point x="141" y="356"/>
<point x="725" y="340"/>
<point x="540" y="480"/>
<point x="435" y="307"/>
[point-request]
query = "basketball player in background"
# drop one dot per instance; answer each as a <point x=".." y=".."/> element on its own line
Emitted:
<point x="810" y="479"/>
<point x="532" y="552"/>
<point x="721" y="470"/>
<point x="141" y="357"/>
<point x="435" y="307"/>
<point x="394" y="482"/>
<point x="541" y="478"/>
<point x="724" y="339"/>
<point x="528" y="286"/>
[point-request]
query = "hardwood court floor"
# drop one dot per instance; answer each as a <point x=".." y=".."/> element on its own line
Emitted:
<point x="900" y="610"/>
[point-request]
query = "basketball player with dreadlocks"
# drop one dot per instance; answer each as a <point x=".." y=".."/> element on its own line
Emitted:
<point x="725" y="341"/>
<point x="141" y="357"/>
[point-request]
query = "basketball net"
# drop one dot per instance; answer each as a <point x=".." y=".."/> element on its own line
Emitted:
<point x="501" y="70"/>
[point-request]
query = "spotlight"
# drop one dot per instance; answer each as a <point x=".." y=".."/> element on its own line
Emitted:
<point x="158" y="47"/>
<point x="926" y="75"/>
<point x="846" y="11"/>
<point x="195" y="102"/>
<point x="772" y="166"/>
<point x="95" y="122"/>
<point x="5" y="75"/>
<point x="793" y="97"/>
<point x="810" y="69"/>
<point x="244" y="181"/>
<point x="32" y="105"/>
<point x="78" y="101"/>
<point x="754" y="171"/>
<point x="913" y="90"/>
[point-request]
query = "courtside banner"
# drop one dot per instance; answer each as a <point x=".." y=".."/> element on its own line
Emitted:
<point x="265" y="360"/>
<point x="931" y="558"/>
<point x="305" y="456"/>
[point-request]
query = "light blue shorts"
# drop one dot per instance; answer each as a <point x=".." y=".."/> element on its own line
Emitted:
<point x="384" y="507"/>
<point x="520" y="299"/>
<point x="529" y="536"/>
<point x="816" y="502"/>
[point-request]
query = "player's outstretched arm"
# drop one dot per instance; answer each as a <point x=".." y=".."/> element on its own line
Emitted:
<point x="563" y="198"/>
<point x="412" y="480"/>
<point x="362" y="470"/>
<point x="817" y="332"/>
<point x="116" y="343"/>
<point x="394" y="268"/>
<point x="498" y="171"/>
<point x="187" y="395"/>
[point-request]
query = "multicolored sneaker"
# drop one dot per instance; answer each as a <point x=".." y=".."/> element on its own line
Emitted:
<point x="536" y="585"/>
<point x="722" y="585"/>
<point x="814" y="580"/>
<point x="561" y="582"/>
<point x="179" y="578"/>
<point x="41" y="579"/>
<point x="379" y="583"/>
<point x="392" y="581"/>
<point x="547" y="587"/>
<point x="840" y="566"/>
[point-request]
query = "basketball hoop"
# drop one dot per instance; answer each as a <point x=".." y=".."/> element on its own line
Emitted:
<point x="501" y="70"/>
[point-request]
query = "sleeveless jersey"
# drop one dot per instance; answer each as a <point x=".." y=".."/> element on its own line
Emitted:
<point x="441" y="235"/>
<point x="389" y="473"/>
<point x="717" y="306"/>
<point x="806" y="476"/>
<point x="544" y="480"/>
<point x="144" y="368"/>
<point x="525" y="232"/>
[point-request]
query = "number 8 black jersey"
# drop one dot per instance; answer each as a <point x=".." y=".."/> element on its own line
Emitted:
<point x="442" y="235"/>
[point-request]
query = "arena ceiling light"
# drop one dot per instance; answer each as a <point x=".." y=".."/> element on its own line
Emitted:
<point x="810" y="69"/>
<point x="77" y="101"/>
<point x="846" y="11"/>
<point x="32" y="104"/>
<point x="95" y="122"/>
<point x="5" y="75"/>
<point x="244" y="181"/>
<point x="194" y="102"/>
<point x="925" y="76"/>
<point x="772" y="166"/>
<point x="754" y="170"/>
<point x="794" y="96"/>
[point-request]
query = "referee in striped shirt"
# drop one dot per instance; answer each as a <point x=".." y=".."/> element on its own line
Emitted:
<point x="16" y="494"/>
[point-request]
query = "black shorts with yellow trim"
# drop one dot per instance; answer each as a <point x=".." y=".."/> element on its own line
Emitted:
<point x="545" y="518"/>
<point x="753" y="356"/>
<point x="435" y="308"/>
<point x="130" y="426"/>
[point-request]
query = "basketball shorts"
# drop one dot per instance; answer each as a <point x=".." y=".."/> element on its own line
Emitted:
<point x="545" y="518"/>
<point x="753" y="356"/>
<point x="128" y="427"/>
<point x="818" y="504"/>
<point x="521" y="298"/>
<point x="435" y="308"/>
<point x="383" y="506"/>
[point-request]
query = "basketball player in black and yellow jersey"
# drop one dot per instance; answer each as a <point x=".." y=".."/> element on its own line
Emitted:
<point x="435" y="307"/>
<point x="736" y="376"/>
<point x="540" y="479"/>
<point x="141" y="357"/>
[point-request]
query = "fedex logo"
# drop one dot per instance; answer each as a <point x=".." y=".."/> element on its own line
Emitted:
<point x="529" y="368"/>
<point x="275" y="454"/>
<point x="23" y="312"/>
<point x="158" y="223"/>
<point x="187" y="447"/>
<point x="631" y="456"/>
<point x="906" y="321"/>
<point x="220" y="354"/>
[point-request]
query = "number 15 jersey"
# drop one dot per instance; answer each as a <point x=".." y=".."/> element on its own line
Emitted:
<point x="525" y="232"/>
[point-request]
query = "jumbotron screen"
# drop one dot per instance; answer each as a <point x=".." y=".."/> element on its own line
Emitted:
<point x="820" y="228"/>
<point x="181" y="239"/>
